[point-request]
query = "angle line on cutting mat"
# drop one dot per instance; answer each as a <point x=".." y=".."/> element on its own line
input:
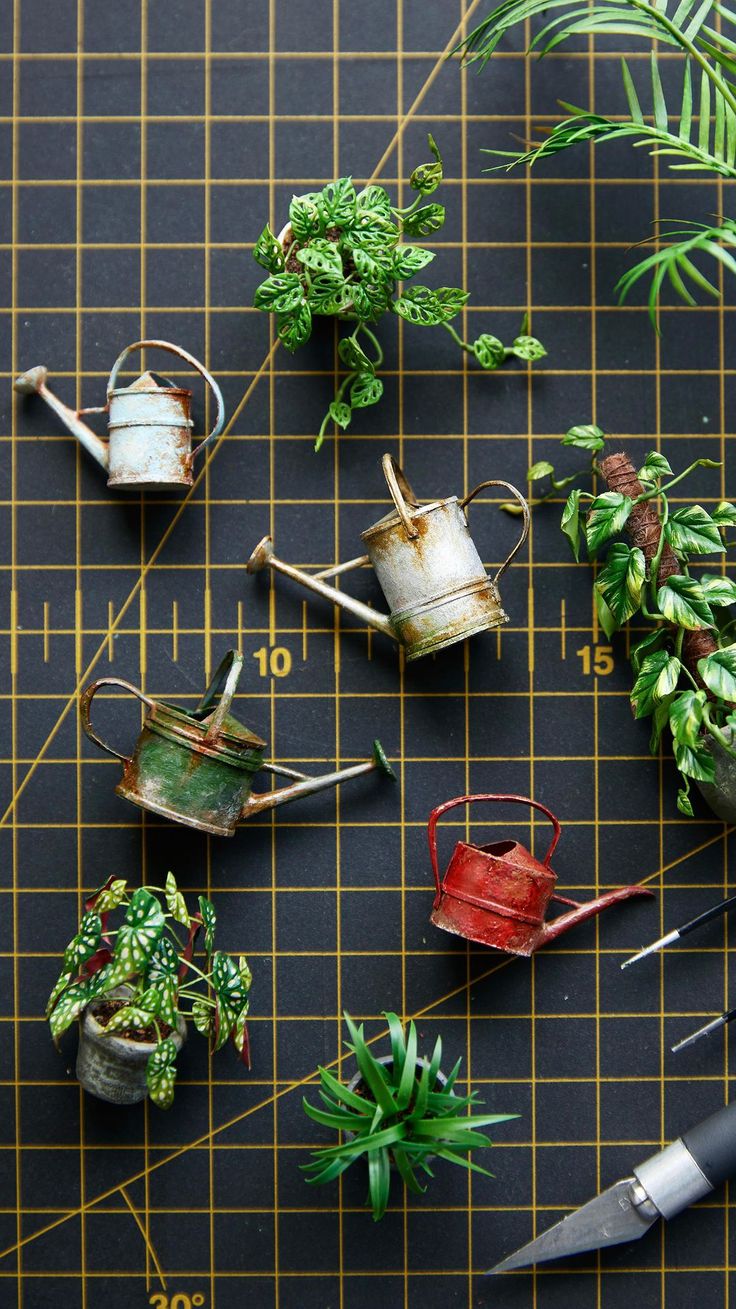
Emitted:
<point x="307" y="1080"/>
<point x="398" y="134"/>
<point x="146" y="1236"/>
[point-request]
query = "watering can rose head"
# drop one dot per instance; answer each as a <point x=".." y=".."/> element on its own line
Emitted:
<point x="685" y="666"/>
<point x="149" y="445"/>
<point x="135" y="985"/>
<point x="341" y="255"/>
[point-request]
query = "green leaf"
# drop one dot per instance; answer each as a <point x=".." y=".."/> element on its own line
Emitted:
<point x="621" y="583"/>
<point x="718" y="590"/>
<point x="109" y="897"/>
<point x="718" y="671"/>
<point x="489" y="351"/>
<point x="410" y="259"/>
<point x="681" y="600"/>
<point x="164" y="962"/>
<point x="570" y="522"/>
<point x="587" y="437"/>
<point x="246" y="976"/>
<point x="686" y="716"/>
<point x="646" y="646"/>
<point x="370" y="299"/>
<point x="139" y="1013"/>
<point x="426" y="178"/>
<point x="340" y="413"/>
<point x="203" y="1017"/>
<point x="606" y="516"/>
<point x="657" y="678"/>
<point x="528" y="348"/>
<point x="374" y="198"/>
<point x="683" y="802"/>
<point x="424" y="221"/>
<point x="724" y="514"/>
<point x="304" y="215"/>
<point x="71" y="1004"/>
<point x="338" y="202"/>
<point x="296" y="327"/>
<point x="366" y="390"/>
<point x="540" y="470"/>
<point x="419" y="305"/>
<point x="168" y="1000"/>
<point x="660" y="718"/>
<point x="353" y="355"/>
<point x="230" y="995"/>
<point x="175" y="902"/>
<point x="692" y="531"/>
<point x="655" y="465"/>
<point x="372" y="1073"/>
<point x="321" y="255"/>
<point x="450" y="300"/>
<point x="280" y="293"/>
<point x="268" y="253"/>
<point x="161" y="1073"/>
<point x="209" y="919"/>
<point x="694" y="761"/>
<point x="143" y="925"/>
<point x="84" y="944"/>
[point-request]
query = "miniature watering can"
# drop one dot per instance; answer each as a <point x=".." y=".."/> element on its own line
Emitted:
<point x="425" y="559"/>
<point x="150" y="429"/>
<point x="197" y="767"/>
<point x="498" y="894"/>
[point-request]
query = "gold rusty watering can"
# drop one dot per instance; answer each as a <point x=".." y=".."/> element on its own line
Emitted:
<point x="429" y="569"/>
<point x="197" y="766"/>
<point x="149" y="446"/>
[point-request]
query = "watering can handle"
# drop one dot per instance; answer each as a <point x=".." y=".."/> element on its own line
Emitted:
<point x="189" y="359"/>
<point x="225" y="682"/>
<point x="85" y="705"/>
<point x="441" y="809"/>
<point x="524" y="509"/>
<point x="401" y="493"/>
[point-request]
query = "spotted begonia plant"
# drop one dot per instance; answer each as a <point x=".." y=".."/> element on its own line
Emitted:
<point x="149" y="955"/>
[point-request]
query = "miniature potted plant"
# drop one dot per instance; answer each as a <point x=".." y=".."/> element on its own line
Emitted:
<point x="685" y="666"/>
<point x="695" y="134"/>
<point x="134" y="987"/>
<point x="399" y="1110"/>
<point x="341" y="256"/>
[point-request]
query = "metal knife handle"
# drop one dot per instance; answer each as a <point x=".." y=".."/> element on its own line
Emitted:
<point x="672" y="1180"/>
<point x="712" y="1145"/>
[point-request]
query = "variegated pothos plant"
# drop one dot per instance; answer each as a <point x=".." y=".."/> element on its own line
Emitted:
<point x="151" y="953"/>
<point x="698" y="702"/>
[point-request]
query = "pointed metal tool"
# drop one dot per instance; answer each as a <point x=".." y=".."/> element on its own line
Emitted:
<point x="713" y="1026"/>
<point x="693" y="1166"/>
<point x="715" y="911"/>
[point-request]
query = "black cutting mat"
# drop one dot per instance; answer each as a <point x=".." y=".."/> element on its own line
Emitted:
<point x="144" y="144"/>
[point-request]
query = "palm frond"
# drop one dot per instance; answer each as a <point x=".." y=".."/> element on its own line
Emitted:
<point x="675" y="262"/>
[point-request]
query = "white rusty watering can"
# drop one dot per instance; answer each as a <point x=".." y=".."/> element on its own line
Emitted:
<point x="149" y="446"/>
<point x="429" y="569"/>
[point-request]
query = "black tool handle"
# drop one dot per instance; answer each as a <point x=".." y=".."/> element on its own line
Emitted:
<point x="712" y="1144"/>
<point x="714" y="912"/>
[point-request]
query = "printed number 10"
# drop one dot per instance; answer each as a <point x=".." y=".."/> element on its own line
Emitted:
<point x="601" y="662"/>
<point x="276" y="661"/>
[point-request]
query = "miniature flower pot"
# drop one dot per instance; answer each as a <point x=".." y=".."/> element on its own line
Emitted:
<point x="113" y="1067"/>
<point x="285" y="239"/>
<point x="356" y="1083"/>
<point x="720" y="794"/>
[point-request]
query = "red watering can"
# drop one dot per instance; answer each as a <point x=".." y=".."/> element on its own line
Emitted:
<point x="498" y="894"/>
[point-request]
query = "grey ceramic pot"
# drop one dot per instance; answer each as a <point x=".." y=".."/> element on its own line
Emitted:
<point x="721" y="793"/>
<point x="113" y="1068"/>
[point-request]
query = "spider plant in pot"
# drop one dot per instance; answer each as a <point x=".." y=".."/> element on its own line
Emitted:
<point x="342" y="255"/>
<point x="698" y="134"/>
<point x="685" y="666"/>
<point x="400" y="1110"/>
<point x="133" y="988"/>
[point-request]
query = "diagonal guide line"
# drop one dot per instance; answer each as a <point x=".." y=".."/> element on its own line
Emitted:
<point x="206" y="1137"/>
<point x="146" y="1237"/>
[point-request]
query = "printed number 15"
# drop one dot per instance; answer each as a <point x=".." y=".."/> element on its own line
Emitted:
<point x="601" y="662"/>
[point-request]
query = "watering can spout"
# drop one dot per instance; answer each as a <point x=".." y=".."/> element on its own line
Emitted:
<point x="303" y="784"/>
<point x="264" y="557"/>
<point x="34" y="382"/>
<point x="580" y="912"/>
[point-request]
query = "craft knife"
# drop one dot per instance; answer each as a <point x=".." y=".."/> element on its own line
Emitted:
<point x="685" y="1171"/>
<point x="714" y="912"/>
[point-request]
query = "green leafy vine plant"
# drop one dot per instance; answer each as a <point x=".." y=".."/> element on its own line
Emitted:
<point x="151" y="955"/>
<point x="342" y="256"/>
<point x="399" y="1110"/>
<point x="685" y="667"/>
<point x="699" y="136"/>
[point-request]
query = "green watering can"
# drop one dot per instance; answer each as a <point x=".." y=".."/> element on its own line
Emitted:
<point x="197" y="767"/>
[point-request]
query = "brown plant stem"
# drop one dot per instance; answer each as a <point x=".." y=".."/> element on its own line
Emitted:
<point x="644" y="530"/>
